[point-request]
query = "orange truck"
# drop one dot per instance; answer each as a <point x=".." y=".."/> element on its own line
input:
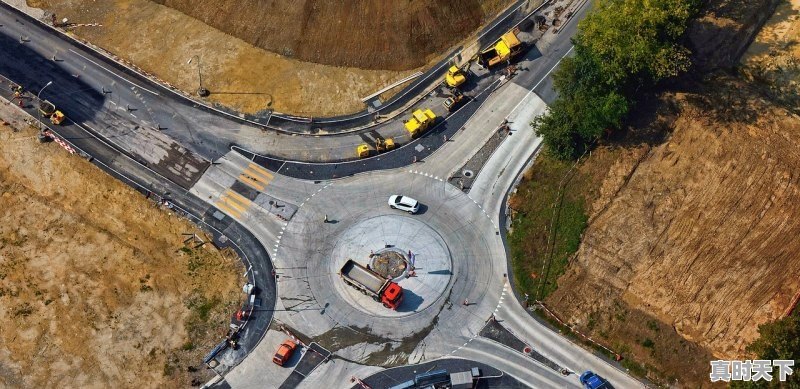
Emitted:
<point x="372" y="284"/>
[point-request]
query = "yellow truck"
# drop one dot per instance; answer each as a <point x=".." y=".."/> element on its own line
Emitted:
<point x="506" y="47"/>
<point x="48" y="109"/>
<point x="454" y="77"/>
<point x="419" y="122"/>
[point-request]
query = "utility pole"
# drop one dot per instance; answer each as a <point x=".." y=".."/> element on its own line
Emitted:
<point x="201" y="91"/>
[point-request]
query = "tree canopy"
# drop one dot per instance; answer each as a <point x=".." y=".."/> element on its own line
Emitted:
<point x="621" y="46"/>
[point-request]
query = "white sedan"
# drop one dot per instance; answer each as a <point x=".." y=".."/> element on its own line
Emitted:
<point x="404" y="203"/>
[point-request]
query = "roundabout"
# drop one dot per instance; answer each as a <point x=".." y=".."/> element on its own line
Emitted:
<point x="440" y="257"/>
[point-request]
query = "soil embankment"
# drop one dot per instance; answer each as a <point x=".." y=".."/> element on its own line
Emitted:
<point x="372" y="34"/>
<point x="690" y="242"/>
<point x="97" y="288"/>
<point x="310" y="57"/>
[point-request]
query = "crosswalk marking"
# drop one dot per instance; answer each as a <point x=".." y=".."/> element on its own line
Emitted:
<point x="228" y="210"/>
<point x="256" y="176"/>
<point x="233" y="203"/>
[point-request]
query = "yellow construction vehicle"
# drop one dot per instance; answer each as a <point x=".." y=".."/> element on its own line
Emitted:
<point x="381" y="145"/>
<point x="453" y="102"/>
<point x="454" y="77"/>
<point x="384" y="144"/>
<point x="419" y="122"/>
<point x="362" y="150"/>
<point x="506" y="47"/>
<point x="48" y="109"/>
<point x="57" y="117"/>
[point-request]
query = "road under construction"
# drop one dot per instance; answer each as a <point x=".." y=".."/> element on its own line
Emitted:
<point x="296" y="202"/>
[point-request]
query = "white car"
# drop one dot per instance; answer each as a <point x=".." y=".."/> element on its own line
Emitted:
<point x="404" y="203"/>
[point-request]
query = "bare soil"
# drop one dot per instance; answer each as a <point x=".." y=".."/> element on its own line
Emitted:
<point x="311" y="58"/>
<point x="97" y="288"/>
<point x="372" y="34"/>
<point x="699" y="236"/>
<point x="162" y="41"/>
<point x="691" y="237"/>
<point x="773" y="59"/>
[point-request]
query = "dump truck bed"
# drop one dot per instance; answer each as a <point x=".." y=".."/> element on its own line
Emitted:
<point x="361" y="275"/>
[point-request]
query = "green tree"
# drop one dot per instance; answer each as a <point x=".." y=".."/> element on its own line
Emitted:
<point x="635" y="42"/>
<point x="779" y="339"/>
<point x="622" y="46"/>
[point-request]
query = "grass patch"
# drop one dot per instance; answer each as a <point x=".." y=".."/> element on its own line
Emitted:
<point x="544" y="199"/>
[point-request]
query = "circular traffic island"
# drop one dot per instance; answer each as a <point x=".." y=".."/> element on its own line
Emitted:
<point x="386" y="249"/>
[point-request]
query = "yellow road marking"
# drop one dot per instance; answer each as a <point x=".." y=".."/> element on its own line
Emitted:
<point x="260" y="170"/>
<point x="241" y="199"/>
<point x="221" y="205"/>
<point x="251" y="181"/>
<point x="256" y="176"/>
<point x="230" y="201"/>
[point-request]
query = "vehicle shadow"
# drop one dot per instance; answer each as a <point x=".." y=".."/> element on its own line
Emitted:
<point x="411" y="301"/>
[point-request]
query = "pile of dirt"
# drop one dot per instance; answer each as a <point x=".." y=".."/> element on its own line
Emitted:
<point x="97" y="288"/>
<point x="373" y="34"/>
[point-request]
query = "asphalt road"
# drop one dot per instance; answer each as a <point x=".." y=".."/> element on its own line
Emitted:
<point x="153" y="139"/>
<point x="491" y="377"/>
<point x="136" y="113"/>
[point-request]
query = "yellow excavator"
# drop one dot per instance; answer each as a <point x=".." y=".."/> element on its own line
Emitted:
<point x="454" y="77"/>
<point x="381" y="145"/>
<point x="506" y="47"/>
<point x="419" y="122"/>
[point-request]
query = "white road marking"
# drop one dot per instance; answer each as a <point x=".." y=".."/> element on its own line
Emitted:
<point x="101" y="66"/>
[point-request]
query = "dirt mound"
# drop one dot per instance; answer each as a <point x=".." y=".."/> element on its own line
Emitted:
<point x="702" y="235"/>
<point x="373" y="34"/>
<point x="97" y="288"/>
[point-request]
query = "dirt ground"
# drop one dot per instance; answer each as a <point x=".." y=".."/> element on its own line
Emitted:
<point x="714" y="252"/>
<point x="343" y="40"/>
<point x="372" y="34"/>
<point x="774" y="57"/>
<point x="691" y="237"/>
<point x="97" y="288"/>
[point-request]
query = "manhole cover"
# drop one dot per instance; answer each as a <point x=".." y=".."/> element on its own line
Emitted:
<point x="468" y="173"/>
